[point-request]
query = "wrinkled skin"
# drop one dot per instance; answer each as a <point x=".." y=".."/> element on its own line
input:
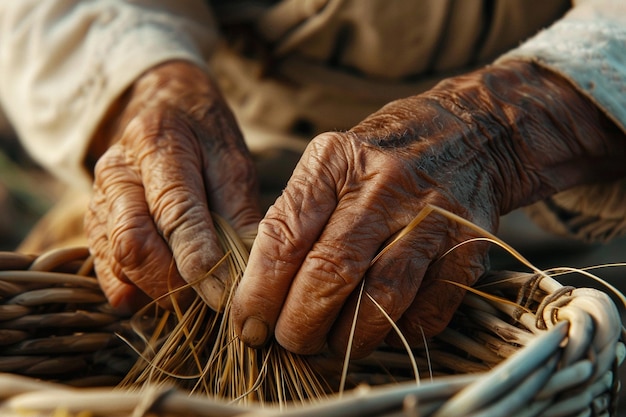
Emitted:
<point x="350" y="194"/>
<point x="478" y="145"/>
<point x="175" y="154"/>
<point x="349" y="197"/>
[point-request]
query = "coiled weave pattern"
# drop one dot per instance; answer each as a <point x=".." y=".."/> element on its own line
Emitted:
<point x="521" y="345"/>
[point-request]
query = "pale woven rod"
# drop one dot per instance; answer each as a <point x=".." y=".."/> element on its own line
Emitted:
<point x="520" y="345"/>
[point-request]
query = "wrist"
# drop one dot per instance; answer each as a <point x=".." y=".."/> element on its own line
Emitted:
<point x="543" y="136"/>
<point x="175" y="84"/>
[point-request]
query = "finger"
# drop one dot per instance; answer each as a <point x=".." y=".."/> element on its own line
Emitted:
<point x="330" y="273"/>
<point x="437" y="300"/>
<point x="285" y="236"/>
<point x="391" y="284"/>
<point x="135" y="245"/>
<point x="118" y="289"/>
<point x="336" y="263"/>
<point x="145" y="259"/>
<point x="176" y="195"/>
<point x="125" y="297"/>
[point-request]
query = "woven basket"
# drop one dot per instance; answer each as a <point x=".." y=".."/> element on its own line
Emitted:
<point x="549" y="350"/>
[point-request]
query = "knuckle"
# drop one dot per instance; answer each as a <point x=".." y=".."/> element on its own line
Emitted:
<point x="108" y="163"/>
<point x="334" y="271"/>
<point x="98" y="247"/>
<point x="95" y="214"/>
<point x="162" y="134"/>
<point x="173" y="212"/>
<point x="344" y="259"/>
<point x="328" y="139"/>
<point x="129" y="241"/>
<point x="330" y="153"/>
<point x="280" y="243"/>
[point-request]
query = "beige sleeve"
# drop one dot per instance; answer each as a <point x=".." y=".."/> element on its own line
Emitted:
<point x="587" y="47"/>
<point x="64" y="62"/>
<point x="591" y="213"/>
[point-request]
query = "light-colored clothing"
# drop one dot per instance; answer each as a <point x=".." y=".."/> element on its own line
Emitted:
<point x="309" y="65"/>
<point x="589" y="49"/>
<point x="64" y="62"/>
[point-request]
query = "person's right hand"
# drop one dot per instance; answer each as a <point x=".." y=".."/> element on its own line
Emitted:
<point x="171" y="156"/>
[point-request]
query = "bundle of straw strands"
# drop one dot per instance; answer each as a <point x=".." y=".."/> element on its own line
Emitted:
<point x="522" y="344"/>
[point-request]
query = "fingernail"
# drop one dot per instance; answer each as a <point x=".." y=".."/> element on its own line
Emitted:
<point x="212" y="292"/>
<point x="254" y="332"/>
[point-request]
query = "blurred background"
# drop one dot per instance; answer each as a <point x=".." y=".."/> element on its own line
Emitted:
<point x="26" y="191"/>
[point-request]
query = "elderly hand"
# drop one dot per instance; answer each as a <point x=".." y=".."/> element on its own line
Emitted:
<point x="175" y="155"/>
<point x="478" y="145"/>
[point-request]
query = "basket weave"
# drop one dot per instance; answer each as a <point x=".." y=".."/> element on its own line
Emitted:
<point x="550" y="351"/>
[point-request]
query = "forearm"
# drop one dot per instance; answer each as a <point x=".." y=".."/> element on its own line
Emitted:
<point x="522" y="132"/>
<point x="550" y="137"/>
<point x="587" y="48"/>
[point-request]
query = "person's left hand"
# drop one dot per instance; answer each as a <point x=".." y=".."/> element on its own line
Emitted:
<point x="478" y="145"/>
<point x="350" y="194"/>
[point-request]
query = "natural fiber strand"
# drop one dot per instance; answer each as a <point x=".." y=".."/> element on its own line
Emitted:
<point x="246" y="376"/>
<point x="511" y="324"/>
<point x="198" y="349"/>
